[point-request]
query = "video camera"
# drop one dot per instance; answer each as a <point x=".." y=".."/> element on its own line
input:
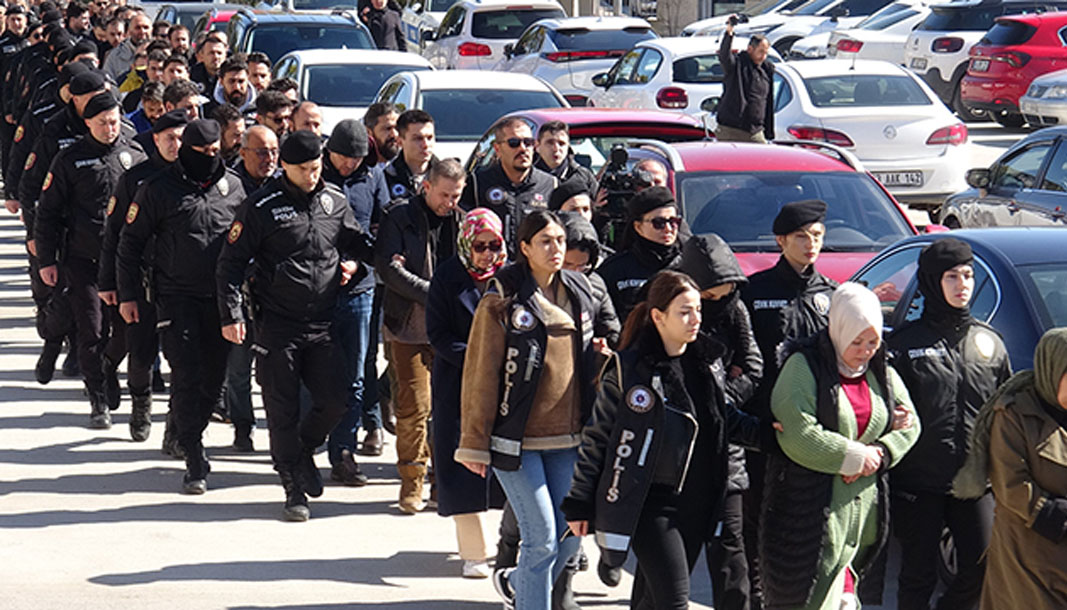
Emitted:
<point x="620" y="184"/>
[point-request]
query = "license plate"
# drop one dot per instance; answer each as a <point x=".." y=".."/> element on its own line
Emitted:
<point x="918" y="63"/>
<point x="900" y="178"/>
<point x="979" y="65"/>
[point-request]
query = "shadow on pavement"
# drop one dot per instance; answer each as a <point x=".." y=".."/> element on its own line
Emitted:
<point x="149" y="480"/>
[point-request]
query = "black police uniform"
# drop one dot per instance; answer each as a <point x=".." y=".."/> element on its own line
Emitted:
<point x="23" y="140"/>
<point x="296" y="241"/>
<point x="10" y="45"/>
<point x="70" y="219"/>
<point x="490" y="187"/>
<point x="627" y="271"/>
<point x="188" y="222"/>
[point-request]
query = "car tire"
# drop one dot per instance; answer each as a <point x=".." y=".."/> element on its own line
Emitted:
<point x="783" y="46"/>
<point x="951" y="222"/>
<point x="967" y="114"/>
<point x="1010" y="120"/>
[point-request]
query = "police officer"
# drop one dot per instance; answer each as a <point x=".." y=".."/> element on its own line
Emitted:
<point x="70" y="219"/>
<point x="511" y="185"/>
<point x="951" y="364"/>
<point x="788" y="301"/>
<point x="11" y="42"/>
<point x="304" y="240"/>
<point x="186" y="210"/>
<point x="139" y="340"/>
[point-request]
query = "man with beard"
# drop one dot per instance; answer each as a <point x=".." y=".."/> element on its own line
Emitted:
<point x="258" y="70"/>
<point x="119" y="59"/>
<point x="380" y="121"/>
<point x="275" y="111"/>
<point x="211" y="53"/>
<point x="233" y="127"/>
<point x="258" y="158"/>
<point x="178" y="36"/>
<point x="233" y="88"/>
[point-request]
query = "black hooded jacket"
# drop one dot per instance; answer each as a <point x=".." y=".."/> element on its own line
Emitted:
<point x="605" y="322"/>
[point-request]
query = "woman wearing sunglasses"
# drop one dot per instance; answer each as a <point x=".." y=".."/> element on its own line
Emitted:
<point x="455" y="290"/>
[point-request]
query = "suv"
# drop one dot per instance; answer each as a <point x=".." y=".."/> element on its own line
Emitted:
<point x="473" y="33"/>
<point x="1008" y="58"/>
<point x="938" y="49"/>
<point x="423" y="16"/>
<point x="276" y="33"/>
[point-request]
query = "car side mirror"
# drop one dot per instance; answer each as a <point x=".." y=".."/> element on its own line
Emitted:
<point x="417" y="7"/>
<point x="978" y="178"/>
<point x="509" y="50"/>
<point x="602" y="80"/>
<point x="710" y="105"/>
<point x="840" y="11"/>
<point x="428" y="36"/>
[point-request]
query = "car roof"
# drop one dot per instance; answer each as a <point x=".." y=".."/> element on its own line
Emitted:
<point x="815" y="68"/>
<point x="678" y="45"/>
<point x="734" y="157"/>
<point x="358" y="56"/>
<point x="587" y="116"/>
<point x="261" y="16"/>
<point x="513" y="4"/>
<point x="594" y="23"/>
<point x="477" y="79"/>
<point x="969" y="4"/>
<point x="1018" y="245"/>
<point x="1036" y="19"/>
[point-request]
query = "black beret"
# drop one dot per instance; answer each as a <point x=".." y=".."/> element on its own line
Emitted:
<point x="565" y="191"/>
<point x="83" y="46"/>
<point x="201" y="132"/>
<point x="349" y="138"/>
<point x="797" y="214"/>
<point x="16" y="10"/>
<point x="300" y="147"/>
<point x="174" y="118"/>
<point x="87" y="82"/>
<point x="52" y="16"/>
<point x="101" y="102"/>
<point x="72" y="70"/>
<point x="649" y="199"/>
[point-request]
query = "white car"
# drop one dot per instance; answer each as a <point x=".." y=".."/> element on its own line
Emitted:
<point x="1045" y="102"/>
<point x="473" y="33"/>
<point x="423" y="16"/>
<point x="465" y="103"/>
<point x="880" y="36"/>
<point x="567" y="53"/>
<point x="764" y="7"/>
<point x="882" y="113"/>
<point x="343" y="81"/>
<point x="681" y="74"/>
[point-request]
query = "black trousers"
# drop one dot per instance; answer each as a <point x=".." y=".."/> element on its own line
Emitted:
<point x="918" y="520"/>
<point x="140" y="341"/>
<point x="192" y="342"/>
<point x="54" y="320"/>
<point x="756" y="464"/>
<point x="288" y="353"/>
<point x="727" y="563"/>
<point x="667" y="547"/>
<point x="89" y="319"/>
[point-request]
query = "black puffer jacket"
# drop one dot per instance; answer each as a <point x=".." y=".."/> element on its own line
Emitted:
<point x="582" y="234"/>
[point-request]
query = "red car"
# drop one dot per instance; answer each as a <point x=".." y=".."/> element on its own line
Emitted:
<point x="1013" y="52"/>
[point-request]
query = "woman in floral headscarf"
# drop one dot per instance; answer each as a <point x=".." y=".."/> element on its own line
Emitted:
<point x="455" y="290"/>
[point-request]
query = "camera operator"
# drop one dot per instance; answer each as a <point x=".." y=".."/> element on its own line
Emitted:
<point x="746" y="110"/>
<point x="617" y="186"/>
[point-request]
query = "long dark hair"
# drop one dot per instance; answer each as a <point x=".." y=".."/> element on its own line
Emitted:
<point x="662" y="289"/>
<point x="532" y="224"/>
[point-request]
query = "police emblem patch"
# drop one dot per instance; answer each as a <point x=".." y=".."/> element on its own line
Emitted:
<point x="30" y="160"/>
<point x="399" y="190"/>
<point x="110" y="205"/>
<point x="125" y="159"/>
<point x="235" y="231"/>
<point x="522" y="319"/>
<point x="131" y="214"/>
<point x="495" y="194"/>
<point x="822" y="303"/>
<point x="47" y="182"/>
<point x="21" y="131"/>
<point x="327" y="203"/>
<point x="538" y="200"/>
<point x="984" y="344"/>
<point x="639" y="399"/>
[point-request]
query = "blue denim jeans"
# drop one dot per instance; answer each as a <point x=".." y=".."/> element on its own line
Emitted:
<point x="351" y="331"/>
<point x="535" y="492"/>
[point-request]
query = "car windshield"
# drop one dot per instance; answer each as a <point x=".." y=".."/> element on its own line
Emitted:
<point x="889" y="16"/>
<point x="972" y="18"/>
<point x="318" y="5"/>
<point x="1048" y="289"/>
<point x="348" y="84"/>
<point x="188" y="17"/>
<point x="857" y="90"/>
<point x="599" y="40"/>
<point x="465" y="114"/>
<point x="739" y="207"/>
<point x="762" y="7"/>
<point x="277" y="40"/>
<point x="438" y="6"/>
<point x="813" y="7"/>
<point x="507" y="23"/>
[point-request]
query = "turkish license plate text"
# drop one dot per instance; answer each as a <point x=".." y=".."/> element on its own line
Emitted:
<point x="900" y="178"/>
<point x="918" y="63"/>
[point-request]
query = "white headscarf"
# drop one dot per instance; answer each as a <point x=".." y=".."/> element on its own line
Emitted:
<point x="853" y="309"/>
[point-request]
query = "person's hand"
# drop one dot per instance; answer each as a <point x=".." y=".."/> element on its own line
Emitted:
<point x="10" y="118"/>
<point x="399" y="260"/>
<point x="901" y="418"/>
<point x="871" y="461"/>
<point x="579" y="528"/>
<point x="600" y="344"/>
<point x="109" y="297"/>
<point x="477" y="468"/>
<point x="778" y="426"/>
<point x="12" y="206"/>
<point x="734" y="372"/>
<point x="730" y="19"/>
<point x="49" y="275"/>
<point x="601" y="198"/>
<point x="348" y="269"/>
<point x="129" y="312"/>
<point x="31" y="246"/>
<point x="234" y="333"/>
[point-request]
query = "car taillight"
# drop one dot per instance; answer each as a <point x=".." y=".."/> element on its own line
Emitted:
<point x="1014" y="59"/>
<point x="821" y="135"/>
<point x="849" y="46"/>
<point x="954" y="135"/>
<point x="672" y="97"/>
<point x="946" y="44"/>
<point x="474" y="49"/>
<point x="561" y="56"/>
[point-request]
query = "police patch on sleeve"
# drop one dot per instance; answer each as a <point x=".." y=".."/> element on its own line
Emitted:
<point x="822" y="303"/>
<point x="110" y="205"/>
<point x="326" y="201"/>
<point x="21" y="131"/>
<point x="639" y="399"/>
<point x="223" y="186"/>
<point x="235" y="231"/>
<point x="125" y="159"/>
<point x="522" y="319"/>
<point x="984" y="344"/>
<point x="495" y="194"/>
<point x="131" y="214"/>
<point x="399" y="190"/>
<point x="47" y="181"/>
<point x="538" y="201"/>
<point x="30" y="160"/>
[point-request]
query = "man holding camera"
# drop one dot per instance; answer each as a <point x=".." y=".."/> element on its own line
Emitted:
<point x="746" y="110"/>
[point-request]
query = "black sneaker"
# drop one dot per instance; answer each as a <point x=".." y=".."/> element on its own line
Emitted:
<point x="100" y="415"/>
<point x="46" y="363"/>
<point x="308" y="475"/>
<point x="503" y="587"/>
<point x="608" y="575"/>
<point x="347" y="471"/>
<point x="296" y="507"/>
<point x="242" y="440"/>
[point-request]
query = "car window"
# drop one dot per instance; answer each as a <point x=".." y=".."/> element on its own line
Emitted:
<point x="510" y="23"/>
<point x="1047" y="285"/>
<point x="454" y="121"/>
<point x="1008" y="32"/>
<point x="531" y="41"/>
<point x="277" y="40"/>
<point x="698" y="69"/>
<point x="1055" y="178"/>
<point x="862" y="7"/>
<point x="985" y="299"/>
<point x="877" y="23"/>
<point x="972" y="18"/>
<point x="857" y="90"/>
<point x="437" y="6"/>
<point x="388" y="94"/>
<point x="583" y="39"/>
<point x="452" y="23"/>
<point x="889" y="278"/>
<point x="783" y="92"/>
<point x="348" y="84"/>
<point x="647" y="66"/>
<point x="622" y="72"/>
<point x="1020" y="170"/>
<point x="318" y="5"/>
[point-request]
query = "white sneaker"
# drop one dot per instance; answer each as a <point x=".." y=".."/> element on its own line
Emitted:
<point x="476" y="569"/>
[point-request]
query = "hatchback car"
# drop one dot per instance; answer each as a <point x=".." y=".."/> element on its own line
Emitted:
<point x="464" y="103"/>
<point x="421" y="17"/>
<point x="567" y="53"/>
<point x="277" y="33"/>
<point x="473" y="33"/>
<point x="1026" y="186"/>
<point x="880" y="36"/>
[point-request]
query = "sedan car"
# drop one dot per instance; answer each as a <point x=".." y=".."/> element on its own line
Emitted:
<point x="343" y="82"/>
<point x="187" y="13"/>
<point x="464" y="103"/>
<point x="884" y="114"/>
<point x="880" y="36"/>
<point x="568" y="52"/>
<point x="1020" y="283"/>
<point x="1026" y="186"/>
<point x="473" y="33"/>
<point x="1045" y="102"/>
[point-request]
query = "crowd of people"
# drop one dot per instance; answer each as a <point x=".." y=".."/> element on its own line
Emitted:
<point x="636" y="387"/>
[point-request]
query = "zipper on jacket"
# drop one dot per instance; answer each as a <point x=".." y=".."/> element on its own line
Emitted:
<point x="531" y="360"/>
<point x="657" y="385"/>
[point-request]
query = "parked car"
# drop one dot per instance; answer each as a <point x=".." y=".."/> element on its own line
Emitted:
<point x="568" y="52"/>
<point x="884" y="114"/>
<point x="1020" y="285"/>
<point x="1026" y="186"/>
<point x="680" y="74"/>
<point x="464" y="103"/>
<point x="938" y="49"/>
<point x="1006" y="60"/>
<point x="880" y="36"/>
<point x="277" y="33"/>
<point x="473" y="33"/>
<point x="763" y="7"/>
<point x="344" y="82"/>
<point x="215" y="19"/>
<point x="423" y="16"/>
<point x="187" y="13"/>
<point x="1045" y="102"/>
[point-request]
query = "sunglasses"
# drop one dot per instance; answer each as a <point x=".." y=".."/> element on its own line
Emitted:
<point x="661" y="223"/>
<point x="493" y="246"/>
<point x="516" y="142"/>
<point x="265" y="153"/>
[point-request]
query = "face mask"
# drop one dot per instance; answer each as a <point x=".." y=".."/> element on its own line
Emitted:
<point x="198" y="166"/>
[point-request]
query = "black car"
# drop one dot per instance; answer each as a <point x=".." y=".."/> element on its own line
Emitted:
<point x="277" y="33"/>
<point x="1020" y="282"/>
<point x="1026" y="186"/>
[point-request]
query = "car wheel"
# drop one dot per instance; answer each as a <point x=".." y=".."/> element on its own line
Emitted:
<point x="946" y="557"/>
<point x="783" y="46"/>
<point x="967" y="114"/>
<point x="1010" y="119"/>
<point x="951" y="222"/>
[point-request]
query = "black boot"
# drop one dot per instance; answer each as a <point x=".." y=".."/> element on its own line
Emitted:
<point x="308" y="475"/>
<point x="242" y="439"/>
<point x="141" y="418"/>
<point x="112" y="391"/>
<point x="608" y="575"/>
<point x="194" y="482"/>
<point x="70" y="363"/>
<point x="100" y="415"/>
<point x="170" y="439"/>
<point x="296" y="503"/>
<point x="46" y="363"/>
<point x="158" y="384"/>
<point x="562" y="590"/>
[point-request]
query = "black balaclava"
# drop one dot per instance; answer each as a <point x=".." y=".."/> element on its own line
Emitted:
<point x="935" y="260"/>
<point x="199" y="167"/>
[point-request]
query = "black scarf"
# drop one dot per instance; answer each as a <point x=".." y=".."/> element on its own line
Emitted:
<point x="936" y="310"/>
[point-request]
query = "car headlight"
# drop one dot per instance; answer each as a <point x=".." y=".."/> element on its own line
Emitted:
<point x="1057" y="92"/>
